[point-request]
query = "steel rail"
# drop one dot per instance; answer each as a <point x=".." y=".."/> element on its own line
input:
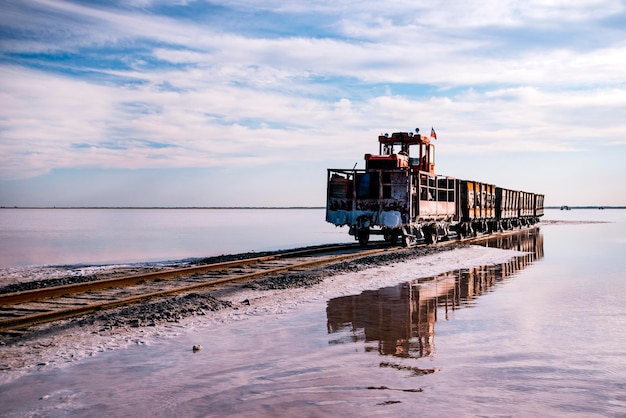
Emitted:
<point x="34" y="319"/>
<point x="13" y="298"/>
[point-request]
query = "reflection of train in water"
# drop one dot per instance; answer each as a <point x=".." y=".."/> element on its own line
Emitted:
<point x="399" y="196"/>
<point x="401" y="319"/>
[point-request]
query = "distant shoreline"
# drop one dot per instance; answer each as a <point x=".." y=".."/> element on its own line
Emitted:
<point x="584" y="207"/>
<point x="162" y="207"/>
<point x="249" y="207"/>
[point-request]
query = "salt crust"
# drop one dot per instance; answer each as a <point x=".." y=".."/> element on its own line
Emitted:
<point x="66" y="347"/>
<point x="12" y="275"/>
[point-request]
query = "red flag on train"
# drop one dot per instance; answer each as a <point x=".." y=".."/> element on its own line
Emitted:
<point x="432" y="133"/>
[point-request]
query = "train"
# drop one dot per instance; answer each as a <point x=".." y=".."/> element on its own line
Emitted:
<point x="399" y="196"/>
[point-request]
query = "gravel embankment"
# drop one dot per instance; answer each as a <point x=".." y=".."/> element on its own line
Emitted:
<point x="176" y="308"/>
<point x="82" y="274"/>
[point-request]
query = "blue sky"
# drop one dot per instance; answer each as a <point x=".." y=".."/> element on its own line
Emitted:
<point x="236" y="103"/>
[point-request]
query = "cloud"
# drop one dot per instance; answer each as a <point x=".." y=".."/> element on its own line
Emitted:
<point x="213" y="125"/>
<point x="154" y="84"/>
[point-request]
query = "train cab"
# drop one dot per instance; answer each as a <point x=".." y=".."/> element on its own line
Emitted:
<point x="397" y="195"/>
<point x="403" y="150"/>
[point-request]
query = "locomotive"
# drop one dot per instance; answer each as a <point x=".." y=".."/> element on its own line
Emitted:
<point x="399" y="196"/>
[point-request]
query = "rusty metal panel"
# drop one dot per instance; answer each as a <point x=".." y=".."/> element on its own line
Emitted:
<point x="446" y="208"/>
<point x="434" y="209"/>
<point x="482" y="199"/>
<point x="507" y="203"/>
<point x="471" y="200"/>
<point x="477" y="200"/>
<point x="515" y="202"/>
<point x="466" y="199"/>
<point x="539" y="205"/>
<point x="378" y="197"/>
<point x="490" y="201"/>
<point x="527" y="202"/>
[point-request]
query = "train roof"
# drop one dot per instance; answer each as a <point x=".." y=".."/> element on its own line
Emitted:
<point x="403" y="138"/>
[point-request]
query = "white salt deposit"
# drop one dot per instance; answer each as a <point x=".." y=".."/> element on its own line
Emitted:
<point x="12" y="275"/>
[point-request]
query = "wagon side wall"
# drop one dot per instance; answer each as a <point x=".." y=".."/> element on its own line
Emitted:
<point x="477" y="201"/>
<point x="507" y="203"/>
<point x="433" y="197"/>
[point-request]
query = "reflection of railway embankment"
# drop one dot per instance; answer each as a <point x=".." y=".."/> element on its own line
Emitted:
<point x="400" y="320"/>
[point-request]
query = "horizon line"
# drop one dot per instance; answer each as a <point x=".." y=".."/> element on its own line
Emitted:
<point x="261" y="207"/>
<point x="162" y="207"/>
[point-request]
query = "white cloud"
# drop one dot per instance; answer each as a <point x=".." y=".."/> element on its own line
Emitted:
<point x="203" y="127"/>
<point x="142" y="90"/>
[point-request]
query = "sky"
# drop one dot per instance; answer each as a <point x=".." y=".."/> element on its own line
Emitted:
<point x="248" y="102"/>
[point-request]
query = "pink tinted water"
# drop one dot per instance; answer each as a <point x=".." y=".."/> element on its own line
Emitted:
<point x="541" y="336"/>
<point x="95" y="236"/>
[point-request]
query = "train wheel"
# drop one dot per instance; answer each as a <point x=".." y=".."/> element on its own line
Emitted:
<point x="391" y="237"/>
<point x="364" y="236"/>
<point x="463" y="230"/>
<point x="406" y="240"/>
<point x="430" y="234"/>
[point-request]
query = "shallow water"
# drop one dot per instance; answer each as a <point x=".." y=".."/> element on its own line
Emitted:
<point x="541" y="335"/>
<point x="97" y="236"/>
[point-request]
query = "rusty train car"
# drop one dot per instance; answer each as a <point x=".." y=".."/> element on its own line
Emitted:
<point x="398" y="195"/>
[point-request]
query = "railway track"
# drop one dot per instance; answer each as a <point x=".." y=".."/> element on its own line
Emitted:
<point x="24" y="309"/>
<point x="21" y="310"/>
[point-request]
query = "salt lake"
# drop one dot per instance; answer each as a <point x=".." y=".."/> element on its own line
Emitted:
<point x="477" y="331"/>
